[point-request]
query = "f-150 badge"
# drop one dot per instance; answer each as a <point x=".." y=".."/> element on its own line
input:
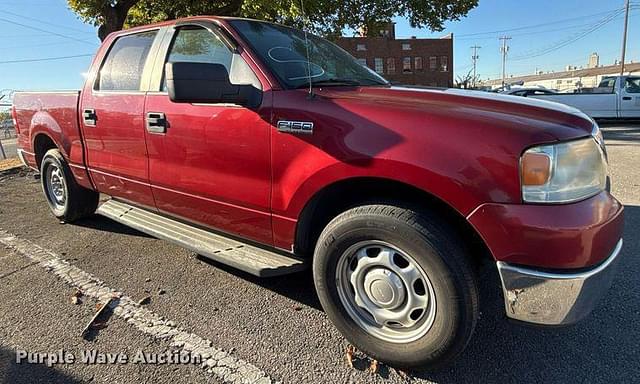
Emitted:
<point x="305" y="127"/>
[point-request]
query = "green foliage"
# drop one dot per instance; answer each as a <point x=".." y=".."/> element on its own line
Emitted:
<point x="326" y="17"/>
<point x="5" y="115"/>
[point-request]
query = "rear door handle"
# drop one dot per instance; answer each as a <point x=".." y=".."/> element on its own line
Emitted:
<point x="157" y="122"/>
<point x="89" y="117"/>
<point x="627" y="98"/>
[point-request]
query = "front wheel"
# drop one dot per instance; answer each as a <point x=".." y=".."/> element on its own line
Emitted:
<point x="67" y="200"/>
<point x="397" y="284"/>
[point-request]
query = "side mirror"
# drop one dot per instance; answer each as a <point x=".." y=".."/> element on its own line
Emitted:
<point x="207" y="83"/>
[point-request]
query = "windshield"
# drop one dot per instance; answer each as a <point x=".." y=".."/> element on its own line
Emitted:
<point x="284" y="51"/>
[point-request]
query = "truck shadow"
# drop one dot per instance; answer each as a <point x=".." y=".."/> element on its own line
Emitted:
<point x="103" y="224"/>
<point x="13" y="373"/>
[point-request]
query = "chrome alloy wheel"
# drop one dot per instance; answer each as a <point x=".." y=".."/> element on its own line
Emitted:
<point x="56" y="186"/>
<point x="385" y="292"/>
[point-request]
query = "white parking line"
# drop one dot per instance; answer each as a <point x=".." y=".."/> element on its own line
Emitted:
<point x="221" y="364"/>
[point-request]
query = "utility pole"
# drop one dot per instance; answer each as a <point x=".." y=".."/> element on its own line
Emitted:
<point x="475" y="58"/>
<point x="624" y="37"/>
<point x="504" y="48"/>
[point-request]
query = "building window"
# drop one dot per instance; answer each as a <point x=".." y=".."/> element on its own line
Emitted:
<point x="433" y="63"/>
<point x="378" y="65"/>
<point x="406" y="47"/>
<point x="363" y="62"/>
<point x="361" y="47"/>
<point x="391" y="65"/>
<point x="406" y="64"/>
<point x="444" y="63"/>
<point x="417" y="63"/>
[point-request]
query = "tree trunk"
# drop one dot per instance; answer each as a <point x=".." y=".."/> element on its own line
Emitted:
<point x="114" y="17"/>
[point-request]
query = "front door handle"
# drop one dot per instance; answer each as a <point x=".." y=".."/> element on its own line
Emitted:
<point x="157" y="122"/>
<point x="627" y="98"/>
<point x="89" y="117"/>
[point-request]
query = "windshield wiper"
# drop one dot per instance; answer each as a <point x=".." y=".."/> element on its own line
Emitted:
<point x="331" y="81"/>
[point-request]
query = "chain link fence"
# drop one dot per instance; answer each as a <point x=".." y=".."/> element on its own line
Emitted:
<point x="8" y="141"/>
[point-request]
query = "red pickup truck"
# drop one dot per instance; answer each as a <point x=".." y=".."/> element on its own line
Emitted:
<point x="271" y="150"/>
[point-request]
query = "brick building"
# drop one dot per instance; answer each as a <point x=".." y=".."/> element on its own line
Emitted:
<point x="412" y="61"/>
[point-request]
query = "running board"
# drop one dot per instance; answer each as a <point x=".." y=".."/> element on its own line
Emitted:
<point x="251" y="259"/>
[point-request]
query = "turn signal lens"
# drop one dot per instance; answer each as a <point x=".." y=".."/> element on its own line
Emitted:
<point x="536" y="168"/>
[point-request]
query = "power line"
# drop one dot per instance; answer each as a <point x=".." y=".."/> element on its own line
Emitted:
<point x="44" y="30"/>
<point x="570" y="40"/>
<point x="42" y="21"/>
<point x="44" y="59"/>
<point x="24" y="35"/>
<point x="37" y="45"/>
<point x="539" y="25"/>
<point x="532" y="32"/>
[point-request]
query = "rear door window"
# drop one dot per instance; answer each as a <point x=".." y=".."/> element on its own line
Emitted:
<point x="122" y="69"/>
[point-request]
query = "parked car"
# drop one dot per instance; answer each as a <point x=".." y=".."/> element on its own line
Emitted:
<point x="615" y="97"/>
<point x="525" y="92"/>
<point x="250" y="144"/>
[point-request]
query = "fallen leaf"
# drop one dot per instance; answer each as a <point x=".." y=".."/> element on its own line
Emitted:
<point x="75" y="298"/>
<point x="350" y="351"/>
<point x="403" y="374"/>
<point x="145" y="300"/>
<point x="373" y="368"/>
<point x="100" y="308"/>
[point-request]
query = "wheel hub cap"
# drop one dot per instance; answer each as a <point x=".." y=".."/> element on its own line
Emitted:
<point x="385" y="291"/>
<point x="384" y="288"/>
<point x="55" y="186"/>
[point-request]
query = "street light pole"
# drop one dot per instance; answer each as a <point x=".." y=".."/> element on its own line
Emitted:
<point x="624" y="37"/>
<point x="504" y="49"/>
<point x="475" y="58"/>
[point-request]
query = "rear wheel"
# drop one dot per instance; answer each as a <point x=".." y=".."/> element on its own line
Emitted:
<point x="397" y="284"/>
<point x="67" y="200"/>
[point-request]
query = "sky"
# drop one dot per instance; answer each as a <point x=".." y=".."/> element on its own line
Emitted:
<point x="543" y="33"/>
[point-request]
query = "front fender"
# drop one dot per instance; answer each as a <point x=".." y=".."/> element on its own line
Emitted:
<point x="289" y="200"/>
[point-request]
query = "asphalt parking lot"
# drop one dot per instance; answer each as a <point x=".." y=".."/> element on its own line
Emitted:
<point x="273" y="325"/>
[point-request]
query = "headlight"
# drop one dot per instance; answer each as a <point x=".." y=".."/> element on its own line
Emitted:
<point x="563" y="172"/>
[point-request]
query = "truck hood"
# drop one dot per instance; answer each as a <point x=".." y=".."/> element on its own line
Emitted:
<point x="540" y="120"/>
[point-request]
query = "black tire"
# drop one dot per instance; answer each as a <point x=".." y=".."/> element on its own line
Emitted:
<point x="436" y="248"/>
<point x="76" y="202"/>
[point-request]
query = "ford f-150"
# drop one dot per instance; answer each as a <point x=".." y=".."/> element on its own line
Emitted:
<point x="272" y="150"/>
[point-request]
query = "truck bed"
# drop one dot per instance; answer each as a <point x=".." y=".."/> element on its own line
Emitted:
<point x="42" y="116"/>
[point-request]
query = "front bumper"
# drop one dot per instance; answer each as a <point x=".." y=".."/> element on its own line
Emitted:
<point x="540" y="297"/>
